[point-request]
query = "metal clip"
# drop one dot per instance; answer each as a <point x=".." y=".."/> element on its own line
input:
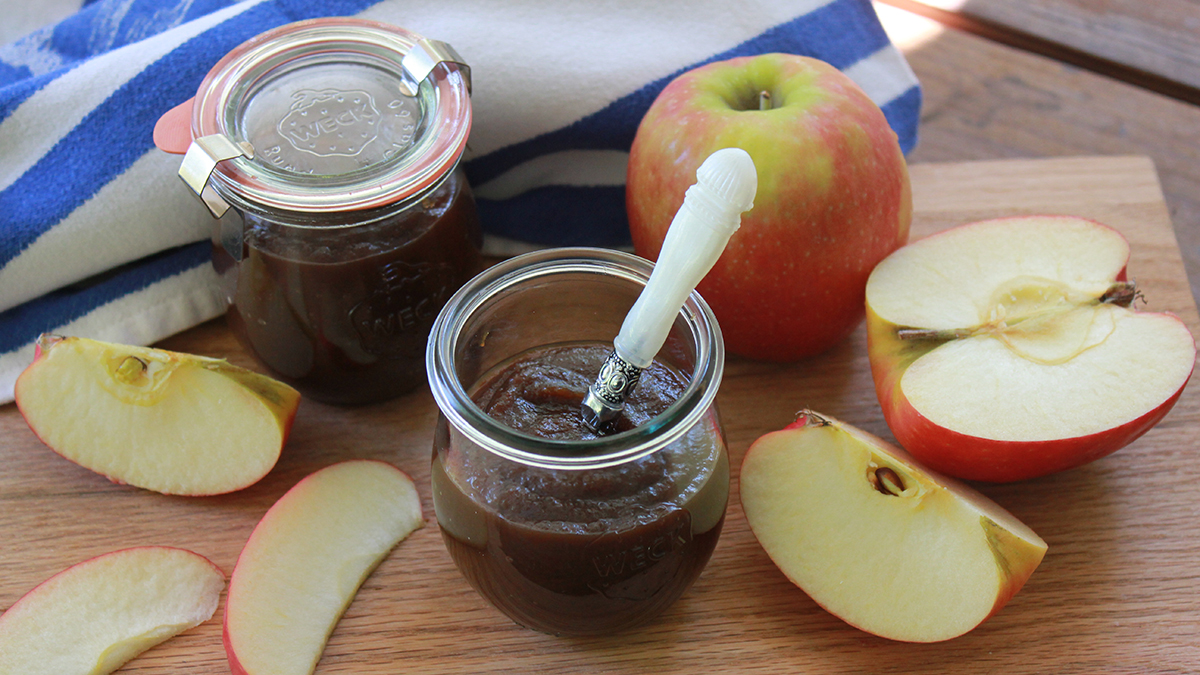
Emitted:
<point x="423" y="58"/>
<point x="202" y="158"/>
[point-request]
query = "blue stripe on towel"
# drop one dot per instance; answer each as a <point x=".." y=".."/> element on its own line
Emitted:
<point x="560" y="216"/>
<point x="15" y="94"/>
<point x="22" y="324"/>
<point x="118" y="132"/>
<point x="110" y="24"/>
<point x="595" y="216"/>
<point x="613" y="127"/>
<point x="12" y="74"/>
<point x="903" y="113"/>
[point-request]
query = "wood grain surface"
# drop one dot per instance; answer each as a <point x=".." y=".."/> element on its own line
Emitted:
<point x="1160" y="37"/>
<point x="1116" y="593"/>
<point x="984" y="100"/>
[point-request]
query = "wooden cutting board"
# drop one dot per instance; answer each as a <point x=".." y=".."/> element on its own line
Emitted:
<point x="1118" y="591"/>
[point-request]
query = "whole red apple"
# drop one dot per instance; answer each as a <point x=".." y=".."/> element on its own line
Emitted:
<point x="833" y="196"/>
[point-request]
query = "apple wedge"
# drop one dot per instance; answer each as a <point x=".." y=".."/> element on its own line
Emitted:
<point x="164" y="421"/>
<point x="1008" y="349"/>
<point x="306" y="559"/>
<point x="93" y="617"/>
<point x="888" y="546"/>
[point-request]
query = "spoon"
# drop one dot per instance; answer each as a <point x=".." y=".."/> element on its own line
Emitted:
<point x="711" y="212"/>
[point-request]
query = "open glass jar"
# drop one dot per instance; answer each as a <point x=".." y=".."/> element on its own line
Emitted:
<point x="328" y="152"/>
<point x="566" y="532"/>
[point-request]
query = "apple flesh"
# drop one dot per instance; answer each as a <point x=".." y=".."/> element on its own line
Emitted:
<point x="164" y="421"/>
<point x="306" y="559"/>
<point x="95" y="616"/>
<point x="885" y="544"/>
<point x="833" y="195"/>
<point x="1009" y="349"/>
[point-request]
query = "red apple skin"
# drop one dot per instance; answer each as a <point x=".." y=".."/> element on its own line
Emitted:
<point x="235" y="666"/>
<point x="971" y="457"/>
<point x="833" y="199"/>
<point x="981" y="459"/>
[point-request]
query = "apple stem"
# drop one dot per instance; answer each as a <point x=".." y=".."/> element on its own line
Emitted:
<point x="934" y="333"/>
<point x="808" y="418"/>
<point x="764" y="100"/>
<point x="1122" y="294"/>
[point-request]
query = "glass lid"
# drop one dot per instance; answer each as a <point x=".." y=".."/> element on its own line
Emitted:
<point x="332" y="115"/>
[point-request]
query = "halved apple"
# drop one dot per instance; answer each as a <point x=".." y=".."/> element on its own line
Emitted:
<point x="306" y="559"/>
<point x="164" y="421"/>
<point x="869" y="534"/>
<point x="1008" y="349"/>
<point x="93" y="617"/>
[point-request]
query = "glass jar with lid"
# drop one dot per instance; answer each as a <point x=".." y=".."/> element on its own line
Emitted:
<point x="565" y="531"/>
<point x="328" y="151"/>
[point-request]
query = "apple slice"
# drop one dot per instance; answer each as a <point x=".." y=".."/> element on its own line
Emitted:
<point x="164" y="421"/>
<point x="1008" y="349"/>
<point x="890" y="547"/>
<point x="93" y="617"/>
<point x="306" y="559"/>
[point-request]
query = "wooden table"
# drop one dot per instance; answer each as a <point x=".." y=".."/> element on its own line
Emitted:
<point x="1116" y="592"/>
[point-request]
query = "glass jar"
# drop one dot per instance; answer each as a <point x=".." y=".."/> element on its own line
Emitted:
<point x="591" y="535"/>
<point x="328" y="151"/>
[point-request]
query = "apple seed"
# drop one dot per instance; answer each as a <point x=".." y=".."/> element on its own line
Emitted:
<point x="887" y="481"/>
<point x="131" y="370"/>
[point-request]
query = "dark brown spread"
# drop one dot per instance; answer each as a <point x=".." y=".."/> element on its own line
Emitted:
<point x="343" y="313"/>
<point x="580" y="552"/>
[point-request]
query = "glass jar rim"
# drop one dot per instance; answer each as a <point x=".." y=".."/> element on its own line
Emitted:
<point x="228" y="86"/>
<point x="486" y="432"/>
<point x="293" y="220"/>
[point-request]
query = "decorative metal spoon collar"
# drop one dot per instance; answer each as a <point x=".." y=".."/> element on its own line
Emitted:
<point x="711" y="212"/>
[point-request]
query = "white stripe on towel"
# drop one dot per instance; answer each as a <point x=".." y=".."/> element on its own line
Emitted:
<point x="876" y="74"/>
<point x="144" y="317"/>
<point x="630" y="55"/>
<point x="581" y="168"/>
<point x="879" y="75"/>
<point x="133" y="228"/>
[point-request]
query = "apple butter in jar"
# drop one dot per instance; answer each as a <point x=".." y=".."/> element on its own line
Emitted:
<point x="565" y="531"/>
<point x="328" y="151"/>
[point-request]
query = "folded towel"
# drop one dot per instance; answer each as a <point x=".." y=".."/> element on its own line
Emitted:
<point x="98" y="237"/>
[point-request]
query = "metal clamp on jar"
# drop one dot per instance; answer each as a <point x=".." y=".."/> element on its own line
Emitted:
<point x="328" y="152"/>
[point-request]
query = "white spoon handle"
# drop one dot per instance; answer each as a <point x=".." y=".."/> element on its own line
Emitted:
<point x="711" y="212"/>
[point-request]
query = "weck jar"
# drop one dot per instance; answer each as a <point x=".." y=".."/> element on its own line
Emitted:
<point x="328" y="151"/>
<point x="565" y="531"/>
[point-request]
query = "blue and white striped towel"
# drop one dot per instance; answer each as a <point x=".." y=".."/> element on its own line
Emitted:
<point x="99" y="238"/>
